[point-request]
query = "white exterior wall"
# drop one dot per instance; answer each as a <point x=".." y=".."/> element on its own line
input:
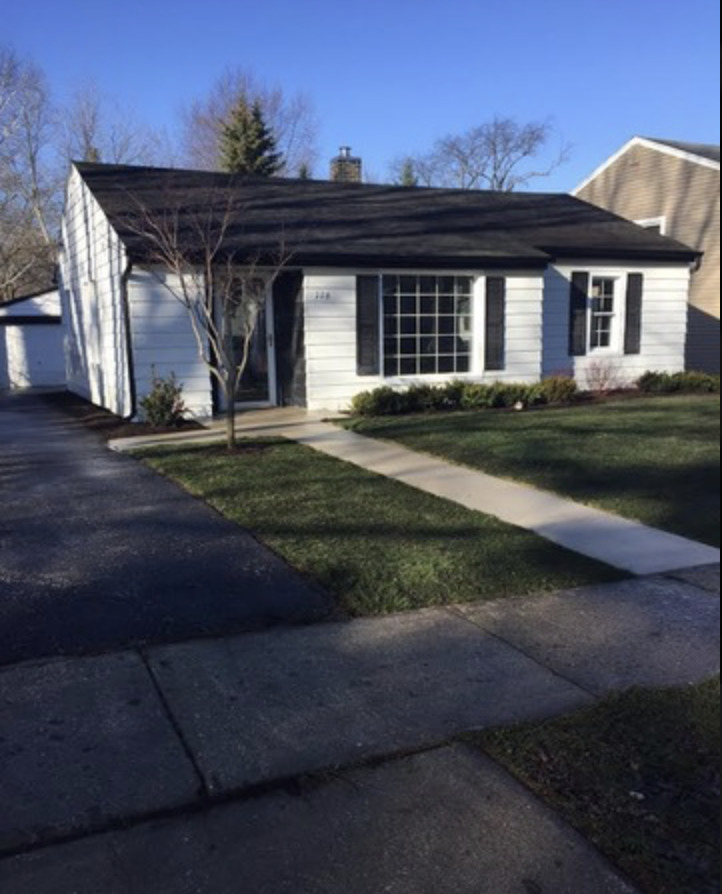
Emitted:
<point x="32" y="355"/>
<point x="163" y="341"/>
<point x="92" y="264"/>
<point x="330" y="337"/>
<point x="664" y="324"/>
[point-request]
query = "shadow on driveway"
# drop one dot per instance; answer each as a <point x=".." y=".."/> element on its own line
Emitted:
<point x="97" y="552"/>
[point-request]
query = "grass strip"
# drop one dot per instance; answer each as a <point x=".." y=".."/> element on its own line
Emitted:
<point x="637" y="774"/>
<point x="377" y="545"/>
<point x="655" y="460"/>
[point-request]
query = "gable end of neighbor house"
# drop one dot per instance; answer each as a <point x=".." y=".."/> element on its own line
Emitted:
<point x="675" y="188"/>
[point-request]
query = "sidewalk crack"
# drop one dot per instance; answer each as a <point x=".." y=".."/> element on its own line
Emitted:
<point x="203" y="789"/>
<point x="458" y="613"/>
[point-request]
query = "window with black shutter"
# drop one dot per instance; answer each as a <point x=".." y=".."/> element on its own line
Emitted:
<point x="578" y="292"/>
<point x="633" y="314"/>
<point x="494" y="323"/>
<point x="367" y="326"/>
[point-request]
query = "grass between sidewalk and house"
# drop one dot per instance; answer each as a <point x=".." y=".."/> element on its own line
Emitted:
<point x="375" y="544"/>
<point x="638" y="774"/>
<point x="654" y="459"/>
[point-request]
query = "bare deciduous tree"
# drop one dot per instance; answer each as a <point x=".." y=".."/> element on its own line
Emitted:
<point x="495" y="155"/>
<point x="191" y="252"/>
<point x="29" y="184"/>
<point x="292" y="121"/>
<point x="94" y="127"/>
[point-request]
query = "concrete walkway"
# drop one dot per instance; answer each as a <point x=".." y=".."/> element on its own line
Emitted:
<point x="628" y="545"/>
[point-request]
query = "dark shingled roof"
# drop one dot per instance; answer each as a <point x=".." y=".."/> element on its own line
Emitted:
<point x="347" y="224"/>
<point x="703" y="150"/>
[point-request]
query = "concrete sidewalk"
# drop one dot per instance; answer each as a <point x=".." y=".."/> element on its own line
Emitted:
<point x="628" y="545"/>
<point x="316" y="759"/>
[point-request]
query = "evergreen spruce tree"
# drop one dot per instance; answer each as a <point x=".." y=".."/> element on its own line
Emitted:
<point x="247" y="144"/>
<point x="408" y="174"/>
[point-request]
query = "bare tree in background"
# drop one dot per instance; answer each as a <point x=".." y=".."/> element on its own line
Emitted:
<point x="500" y="155"/>
<point x="37" y="142"/>
<point x="29" y="183"/>
<point x="191" y="254"/>
<point x="292" y="120"/>
<point x="94" y="127"/>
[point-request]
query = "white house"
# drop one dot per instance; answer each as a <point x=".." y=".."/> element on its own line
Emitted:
<point x="385" y="285"/>
<point x="31" y="342"/>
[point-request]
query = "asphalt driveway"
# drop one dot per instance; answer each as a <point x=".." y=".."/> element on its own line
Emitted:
<point x="97" y="552"/>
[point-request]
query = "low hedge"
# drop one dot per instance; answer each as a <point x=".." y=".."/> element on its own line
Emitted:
<point x="455" y="395"/>
<point x="685" y="382"/>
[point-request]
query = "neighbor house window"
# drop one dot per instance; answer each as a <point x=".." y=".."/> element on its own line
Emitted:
<point x="426" y="324"/>
<point x="602" y="312"/>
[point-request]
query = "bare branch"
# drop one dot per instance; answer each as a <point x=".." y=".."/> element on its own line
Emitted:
<point x="492" y="156"/>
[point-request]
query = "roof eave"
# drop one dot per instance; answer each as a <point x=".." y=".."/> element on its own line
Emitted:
<point x="624" y="254"/>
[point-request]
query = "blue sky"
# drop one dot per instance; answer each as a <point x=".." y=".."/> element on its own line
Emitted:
<point x="388" y="77"/>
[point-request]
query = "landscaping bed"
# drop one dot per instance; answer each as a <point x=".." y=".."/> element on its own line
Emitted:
<point x="375" y="544"/>
<point x="105" y="423"/>
<point x="637" y="774"/>
<point x="653" y="459"/>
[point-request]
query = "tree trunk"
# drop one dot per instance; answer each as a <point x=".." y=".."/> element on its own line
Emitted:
<point x="230" y="420"/>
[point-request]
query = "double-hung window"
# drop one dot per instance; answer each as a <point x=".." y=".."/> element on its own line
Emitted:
<point x="602" y="312"/>
<point x="426" y="324"/>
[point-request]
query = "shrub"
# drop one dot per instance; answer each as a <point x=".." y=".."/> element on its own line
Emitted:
<point x="421" y="398"/>
<point x="655" y="382"/>
<point x="557" y="390"/>
<point x="602" y="376"/>
<point x="382" y="401"/>
<point x="667" y="383"/>
<point x="385" y="401"/>
<point x="163" y="405"/>
<point x="699" y="381"/>
<point x="475" y="396"/>
<point x="451" y="394"/>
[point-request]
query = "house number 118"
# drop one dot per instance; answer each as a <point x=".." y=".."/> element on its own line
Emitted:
<point x="321" y="296"/>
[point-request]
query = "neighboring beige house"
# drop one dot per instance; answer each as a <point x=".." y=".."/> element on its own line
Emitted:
<point x="672" y="187"/>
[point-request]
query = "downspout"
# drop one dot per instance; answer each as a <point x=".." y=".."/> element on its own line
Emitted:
<point x="125" y="304"/>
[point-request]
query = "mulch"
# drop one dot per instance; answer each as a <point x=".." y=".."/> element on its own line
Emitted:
<point x="105" y="423"/>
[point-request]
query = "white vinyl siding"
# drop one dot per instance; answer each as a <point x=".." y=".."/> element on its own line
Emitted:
<point x="92" y="264"/>
<point x="163" y="342"/>
<point x="330" y="336"/>
<point x="663" y="331"/>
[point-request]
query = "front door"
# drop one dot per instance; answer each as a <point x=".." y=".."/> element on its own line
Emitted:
<point x="257" y="386"/>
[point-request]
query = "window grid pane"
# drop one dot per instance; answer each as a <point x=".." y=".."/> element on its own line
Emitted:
<point x="602" y="312"/>
<point x="427" y="324"/>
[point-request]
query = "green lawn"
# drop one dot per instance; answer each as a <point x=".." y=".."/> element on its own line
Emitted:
<point x="638" y="774"/>
<point x="651" y="459"/>
<point x="375" y="544"/>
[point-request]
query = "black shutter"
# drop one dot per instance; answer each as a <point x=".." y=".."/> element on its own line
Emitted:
<point x="578" y="314"/>
<point x="494" y="327"/>
<point x="633" y="314"/>
<point x="367" y="325"/>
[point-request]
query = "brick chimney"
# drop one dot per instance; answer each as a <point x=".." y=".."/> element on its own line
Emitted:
<point x="345" y="168"/>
